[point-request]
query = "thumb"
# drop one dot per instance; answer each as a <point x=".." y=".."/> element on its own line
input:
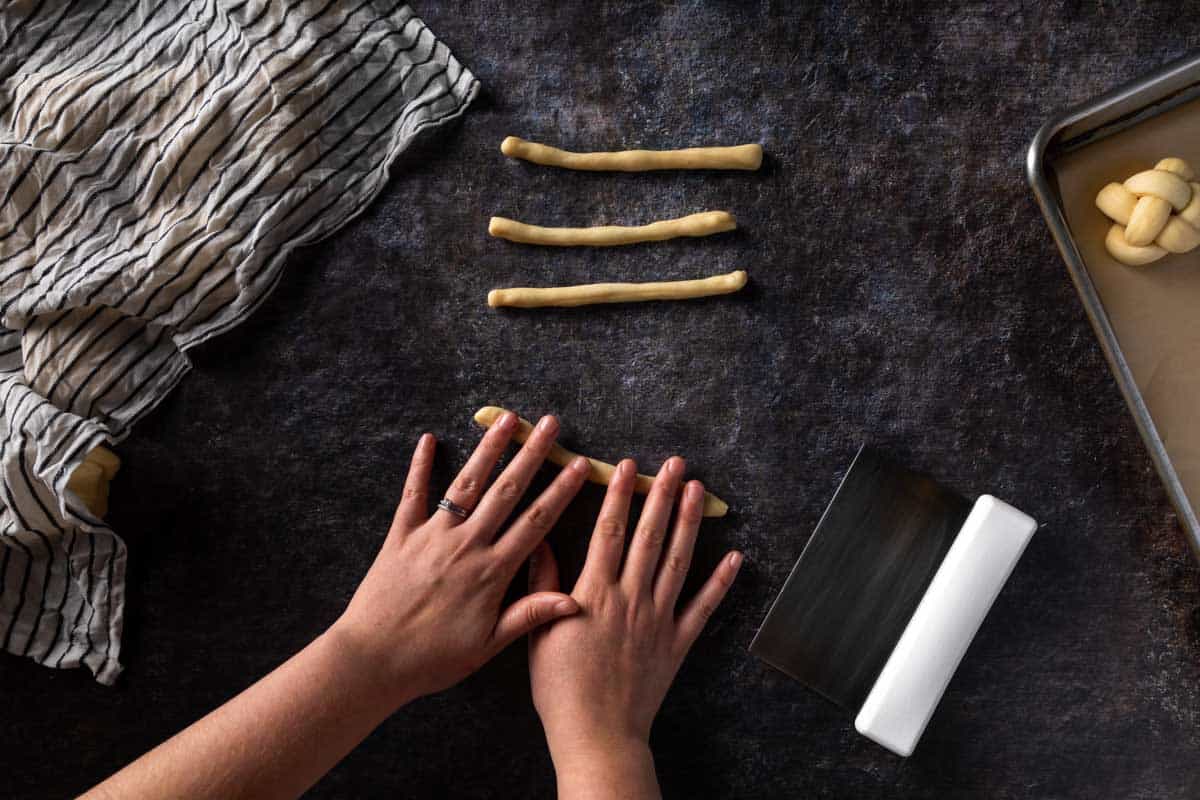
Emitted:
<point x="543" y="569"/>
<point x="530" y="612"/>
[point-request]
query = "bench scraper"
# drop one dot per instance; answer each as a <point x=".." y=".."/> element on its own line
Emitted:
<point x="888" y="594"/>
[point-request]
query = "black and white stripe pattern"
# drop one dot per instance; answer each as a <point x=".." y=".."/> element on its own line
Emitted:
<point x="159" y="159"/>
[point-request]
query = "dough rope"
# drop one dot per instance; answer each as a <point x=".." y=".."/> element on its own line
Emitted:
<point x="744" y="156"/>
<point x="1145" y="228"/>
<point x="593" y="293"/>
<point x="601" y="472"/>
<point x="705" y="223"/>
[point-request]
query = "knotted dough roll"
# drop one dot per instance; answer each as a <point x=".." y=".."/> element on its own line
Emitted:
<point x="1156" y="212"/>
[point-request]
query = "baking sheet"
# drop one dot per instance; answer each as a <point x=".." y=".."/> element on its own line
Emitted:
<point x="1154" y="310"/>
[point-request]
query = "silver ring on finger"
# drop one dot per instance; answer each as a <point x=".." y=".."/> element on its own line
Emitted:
<point x="446" y="504"/>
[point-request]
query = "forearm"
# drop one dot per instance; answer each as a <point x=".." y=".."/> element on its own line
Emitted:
<point x="274" y="740"/>
<point x="608" y="771"/>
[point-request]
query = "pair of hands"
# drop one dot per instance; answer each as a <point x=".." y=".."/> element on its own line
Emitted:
<point x="430" y="610"/>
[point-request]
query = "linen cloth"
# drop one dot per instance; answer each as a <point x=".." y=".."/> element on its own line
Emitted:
<point x="159" y="159"/>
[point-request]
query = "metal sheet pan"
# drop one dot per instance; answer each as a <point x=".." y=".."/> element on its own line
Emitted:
<point x="1108" y="115"/>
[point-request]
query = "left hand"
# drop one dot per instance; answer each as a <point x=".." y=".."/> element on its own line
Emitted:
<point x="429" y="611"/>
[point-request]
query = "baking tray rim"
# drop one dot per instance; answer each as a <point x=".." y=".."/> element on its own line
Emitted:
<point x="1125" y="102"/>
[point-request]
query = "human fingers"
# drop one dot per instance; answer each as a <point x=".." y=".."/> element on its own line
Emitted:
<point x="536" y="521"/>
<point x="504" y="493"/>
<point x="678" y="558"/>
<point x="646" y="544"/>
<point x="608" y="537"/>
<point x="543" y="569"/>
<point x="414" y="502"/>
<point x="469" y="483"/>
<point x="529" y="613"/>
<point x="691" y="622"/>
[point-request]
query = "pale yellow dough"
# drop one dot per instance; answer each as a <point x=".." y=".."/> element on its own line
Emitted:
<point x="705" y="223"/>
<point x="594" y="293"/>
<point x="90" y="479"/>
<point x="1156" y="212"/>
<point x="601" y="472"/>
<point x="743" y="156"/>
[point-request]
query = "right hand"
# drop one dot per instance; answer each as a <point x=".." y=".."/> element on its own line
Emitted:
<point x="600" y="676"/>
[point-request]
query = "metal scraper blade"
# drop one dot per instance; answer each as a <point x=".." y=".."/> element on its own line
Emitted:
<point x="859" y="578"/>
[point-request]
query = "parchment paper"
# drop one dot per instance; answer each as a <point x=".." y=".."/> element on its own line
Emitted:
<point x="1155" y="309"/>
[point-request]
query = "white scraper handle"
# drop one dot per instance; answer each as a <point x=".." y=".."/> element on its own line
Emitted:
<point x="958" y="598"/>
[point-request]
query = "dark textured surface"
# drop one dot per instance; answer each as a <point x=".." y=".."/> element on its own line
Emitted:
<point x="860" y="578"/>
<point x="904" y="290"/>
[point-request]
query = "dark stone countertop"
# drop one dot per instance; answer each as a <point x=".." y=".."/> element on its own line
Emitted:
<point x="904" y="290"/>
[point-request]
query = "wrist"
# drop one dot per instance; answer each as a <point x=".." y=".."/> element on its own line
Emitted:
<point x="360" y="666"/>
<point x="603" y="767"/>
<point x="574" y="731"/>
<point x="596" y="752"/>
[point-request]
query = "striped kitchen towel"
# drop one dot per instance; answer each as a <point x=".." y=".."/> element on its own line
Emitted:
<point x="159" y="159"/>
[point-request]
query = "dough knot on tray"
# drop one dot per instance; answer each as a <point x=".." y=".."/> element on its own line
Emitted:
<point x="1156" y="212"/>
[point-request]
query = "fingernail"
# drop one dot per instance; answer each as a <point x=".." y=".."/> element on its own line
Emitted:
<point x="695" y="490"/>
<point x="735" y="559"/>
<point x="426" y="440"/>
<point x="581" y="465"/>
<point x="547" y="423"/>
<point x="626" y="467"/>
<point x="565" y="607"/>
<point x="675" y="465"/>
<point x="507" y="421"/>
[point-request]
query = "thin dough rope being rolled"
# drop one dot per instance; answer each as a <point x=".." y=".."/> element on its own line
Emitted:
<point x="601" y="472"/>
<point x="743" y="156"/>
<point x="592" y="293"/>
<point x="705" y="223"/>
